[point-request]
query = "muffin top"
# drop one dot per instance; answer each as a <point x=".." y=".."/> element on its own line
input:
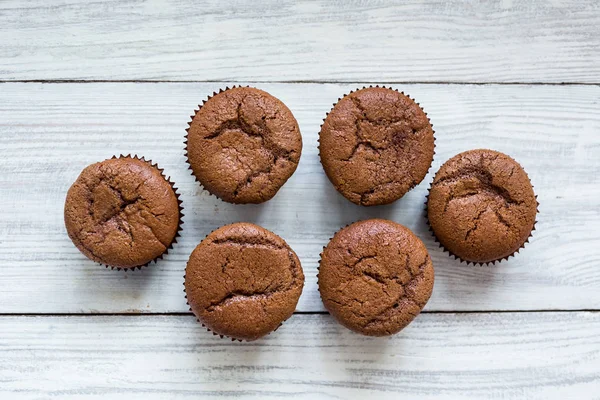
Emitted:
<point x="243" y="145"/>
<point x="375" y="145"/>
<point x="481" y="206"/>
<point x="243" y="281"/>
<point x="375" y="276"/>
<point x="122" y="212"/>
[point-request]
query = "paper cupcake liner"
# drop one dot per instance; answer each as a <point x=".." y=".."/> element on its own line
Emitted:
<point x="396" y="90"/>
<point x="456" y="257"/>
<point x="179" y="202"/>
<point x="187" y="133"/>
<point x="208" y="329"/>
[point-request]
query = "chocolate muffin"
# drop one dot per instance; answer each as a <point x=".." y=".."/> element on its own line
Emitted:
<point x="375" y="277"/>
<point x="243" y="281"/>
<point x="481" y="206"/>
<point x="123" y="212"/>
<point x="243" y="144"/>
<point x="375" y="145"/>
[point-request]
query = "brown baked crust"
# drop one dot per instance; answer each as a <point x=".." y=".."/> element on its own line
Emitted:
<point x="243" y="281"/>
<point x="375" y="145"/>
<point x="481" y="206"/>
<point x="122" y="212"/>
<point x="375" y="277"/>
<point x="243" y="145"/>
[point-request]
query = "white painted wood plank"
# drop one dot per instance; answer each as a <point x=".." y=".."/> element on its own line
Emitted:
<point x="441" y="356"/>
<point x="50" y="132"/>
<point x="400" y="41"/>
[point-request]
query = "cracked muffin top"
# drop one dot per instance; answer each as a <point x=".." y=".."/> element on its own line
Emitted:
<point x="375" y="145"/>
<point x="243" y="145"/>
<point x="481" y="206"/>
<point x="122" y="212"/>
<point x="375" y="276"/>
<point x="243" y="281"/>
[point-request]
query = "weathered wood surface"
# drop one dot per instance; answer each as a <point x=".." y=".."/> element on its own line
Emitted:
<point x="400" y="41"/>
<point x="442" y="356"/>
<point x="50" y="132"/>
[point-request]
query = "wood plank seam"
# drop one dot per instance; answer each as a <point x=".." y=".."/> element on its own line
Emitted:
<point x="323" y="82"/>
<point x="179" y="314"/>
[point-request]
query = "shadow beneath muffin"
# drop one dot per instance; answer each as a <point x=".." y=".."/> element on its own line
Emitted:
<point x="208" y="213"/>
<point x="340" y="211"/>
<point x="245" y="212"/>
<point x="461" y="287"/>
<point x="121" y="291"/>
<point x="372" y="347"/>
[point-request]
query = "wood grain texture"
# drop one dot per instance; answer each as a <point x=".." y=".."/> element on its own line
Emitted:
<point x="50" y="132"/>
<point x="442" y="356"/>
<point x="400" y="41"/>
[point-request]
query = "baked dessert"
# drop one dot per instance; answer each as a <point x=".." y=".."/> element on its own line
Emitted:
<point x="481" y="206"/>
<point x="243" y="281"/>
<point x="243" y="144"/>
<point x="123" y="212"/>
<point x="375" y="145"/>
<point x="375" y="276"/>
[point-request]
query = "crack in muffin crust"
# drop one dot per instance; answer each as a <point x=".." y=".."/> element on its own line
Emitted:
<point x="122" y="212"/>
<point x="375" y="145"/>
<point x="243" y="144"/>
<point x="375" y="276"/>
<point x="481" y="206"/>
<point x="243" y="281"/>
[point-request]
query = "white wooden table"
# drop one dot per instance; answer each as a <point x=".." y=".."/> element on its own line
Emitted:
<point x="83" y="80"/>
